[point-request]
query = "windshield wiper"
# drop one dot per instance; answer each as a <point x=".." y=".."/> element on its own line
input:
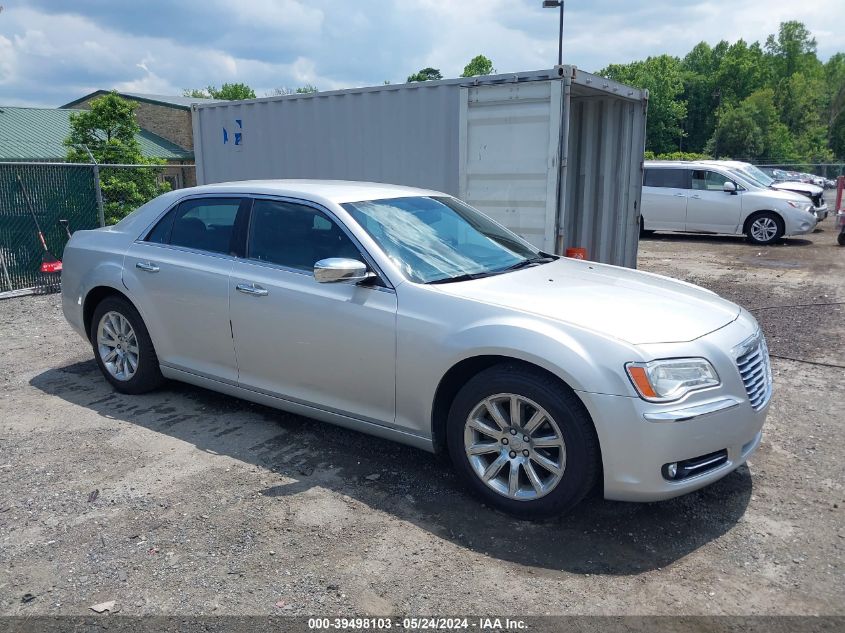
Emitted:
<point x="528" y="262"/>
<point x="469" y="276"/>
<point x="464" y="277"/>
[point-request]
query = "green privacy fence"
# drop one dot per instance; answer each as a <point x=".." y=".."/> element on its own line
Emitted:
<point x="57" y="191"/>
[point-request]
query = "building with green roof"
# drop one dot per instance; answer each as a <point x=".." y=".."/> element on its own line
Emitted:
<point x="38" y="134"/>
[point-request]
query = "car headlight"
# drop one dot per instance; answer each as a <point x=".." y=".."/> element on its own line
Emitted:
<point x="800" y="205"/>
<point x="667" y="380"/>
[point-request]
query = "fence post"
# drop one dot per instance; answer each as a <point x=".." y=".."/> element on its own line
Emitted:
<point x="101" y="214"/>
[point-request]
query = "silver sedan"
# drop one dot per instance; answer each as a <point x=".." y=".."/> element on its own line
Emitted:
<point x="407" y="314"/>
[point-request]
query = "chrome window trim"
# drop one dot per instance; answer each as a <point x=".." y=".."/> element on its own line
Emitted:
<point x="368" y="259"/>
<point x="194" y="196"/>
<point x="186" y="249"/>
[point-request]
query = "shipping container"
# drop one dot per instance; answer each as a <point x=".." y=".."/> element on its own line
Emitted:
<point x="554" y="155"/>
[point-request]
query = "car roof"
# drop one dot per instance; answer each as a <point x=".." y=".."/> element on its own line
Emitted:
<point x="700" y="164"/>
<point x="337" y="191"/>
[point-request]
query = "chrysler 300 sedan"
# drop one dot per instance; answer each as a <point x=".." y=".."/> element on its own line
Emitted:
<point x="407" y="314"/>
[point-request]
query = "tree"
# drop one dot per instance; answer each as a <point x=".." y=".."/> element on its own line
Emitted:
<point x="700" y="95"/>
<point x="834" y="71"/>
<point x="663" y="78"/>
<point x="752" y="130"/>
<point x="226" y="92"/>
<point x="478" y="65"/>
<point x="109" y="131"/>
<point x="426" y="74"/>
<point x="792" y="50"/>
<point x="741" y="70"/>
<point x="301" y="90"/>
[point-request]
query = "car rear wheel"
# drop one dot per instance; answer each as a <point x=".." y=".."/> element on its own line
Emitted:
<point x="123" y="348"/>
<point x="523" y="441"/>
<point x="765" y="228"/>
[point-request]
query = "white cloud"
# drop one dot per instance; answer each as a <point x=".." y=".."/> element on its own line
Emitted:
<point x="8" y="60"/>
<point x="52" y="55"/>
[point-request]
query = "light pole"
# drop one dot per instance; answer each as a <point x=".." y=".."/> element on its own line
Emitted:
<point x="553" y="4"/>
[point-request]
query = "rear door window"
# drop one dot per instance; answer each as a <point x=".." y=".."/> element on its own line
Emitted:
<point x="666" y="177"/>
<point x="205" y="224"/>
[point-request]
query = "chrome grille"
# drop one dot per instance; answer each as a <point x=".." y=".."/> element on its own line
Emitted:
<point x="755" y="370"/>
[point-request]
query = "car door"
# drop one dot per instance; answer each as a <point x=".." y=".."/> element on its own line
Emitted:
<point x="711" y="209"/>
<point x="664" y="198"/>
<point x="329" y="345"/>
<point x="179" y="276"/>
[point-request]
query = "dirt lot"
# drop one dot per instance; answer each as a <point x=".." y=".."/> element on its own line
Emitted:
<point x="207" y="504"/>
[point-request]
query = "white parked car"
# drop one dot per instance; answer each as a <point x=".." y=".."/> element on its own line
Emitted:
<point x="699" y="197"/>
<point x="406" y="314"/>
<point x="813" y="191"/>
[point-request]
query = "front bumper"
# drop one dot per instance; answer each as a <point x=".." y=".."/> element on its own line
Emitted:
<point x="803" y="225"/>
<point x="639" y="438"/>
<point x="635" y="451"/>
<point x="821" y="212"/>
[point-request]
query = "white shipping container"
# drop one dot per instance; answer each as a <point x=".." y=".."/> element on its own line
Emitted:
<point x="555" y="155"/>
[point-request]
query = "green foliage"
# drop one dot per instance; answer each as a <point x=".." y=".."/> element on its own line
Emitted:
<point x="752" y="131"/>
<point x="426" y="74"/>
<point x="677" y="156"/>
<point x="478" y="65"/>
<point x="226" y="92"/>
<point x="108" y="130"/>
<point x="301" y="90"/>
<point x="775" y="102"/>
<point x="663" y="78"/>
<point x="792" y="50"/>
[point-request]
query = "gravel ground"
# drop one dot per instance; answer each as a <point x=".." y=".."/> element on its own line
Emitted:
<point x="188" y="502"/>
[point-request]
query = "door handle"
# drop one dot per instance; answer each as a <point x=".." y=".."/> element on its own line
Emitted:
<point x="147" y="267"/>
<point x="696" y="196"/>
<point x="680" y="195"/>
<point x="252" y="289"/>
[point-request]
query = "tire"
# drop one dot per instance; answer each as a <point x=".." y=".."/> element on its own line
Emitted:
<point x="764" y="228"/>
<point x="118" y="317"/>
<point x="644" y="232"/>
<point x="840" y="239"/>
<point x="538" y="394"/>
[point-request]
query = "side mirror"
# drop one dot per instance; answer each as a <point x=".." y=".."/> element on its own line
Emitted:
<point x="729" y="187"/>
<point x="336" y="269"/>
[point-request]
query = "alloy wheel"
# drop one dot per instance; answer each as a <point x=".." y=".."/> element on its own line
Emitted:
<point x="515" y="447"/>
<point x="764" y="229"/>
<point x="117" y="346"/>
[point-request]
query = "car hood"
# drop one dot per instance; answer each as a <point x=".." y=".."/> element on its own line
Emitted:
<point x="625" y="304"/>
<point x="803" y="187"/>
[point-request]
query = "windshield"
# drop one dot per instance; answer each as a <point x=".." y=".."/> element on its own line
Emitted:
<point x="436" y="239"/>
<point x="757" y="174"/>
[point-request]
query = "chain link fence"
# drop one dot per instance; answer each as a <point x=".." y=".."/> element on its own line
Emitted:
<point x="58" y="199"/>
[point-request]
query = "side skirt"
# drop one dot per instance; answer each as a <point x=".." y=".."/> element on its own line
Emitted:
<point x="307" y="411"/>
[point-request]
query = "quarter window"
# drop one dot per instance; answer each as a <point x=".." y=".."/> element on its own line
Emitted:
<point x="663" y="177"/>
<point x="295" y="235"/>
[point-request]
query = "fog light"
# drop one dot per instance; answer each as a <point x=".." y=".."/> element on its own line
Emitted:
<point x="671" y="470"/>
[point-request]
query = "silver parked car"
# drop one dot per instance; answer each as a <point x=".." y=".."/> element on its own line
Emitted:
<point x="709" y="197"/>
<point x="407" y="314"/>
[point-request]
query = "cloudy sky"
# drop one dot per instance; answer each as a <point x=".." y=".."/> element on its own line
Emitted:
<point x="53" y="51"/>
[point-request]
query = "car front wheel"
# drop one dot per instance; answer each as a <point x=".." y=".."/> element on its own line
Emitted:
<point x="523" y="441"/>
<point x="765" y="228"/>
<point x="123" y="348"/>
